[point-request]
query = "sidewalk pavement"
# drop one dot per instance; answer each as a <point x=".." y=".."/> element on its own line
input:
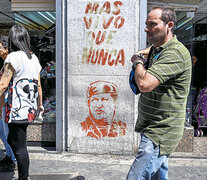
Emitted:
<point x="50" y="165"/>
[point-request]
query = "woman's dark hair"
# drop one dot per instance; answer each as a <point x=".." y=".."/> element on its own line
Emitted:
<point x="19" y="40"/>
<point x="168" y="14"/>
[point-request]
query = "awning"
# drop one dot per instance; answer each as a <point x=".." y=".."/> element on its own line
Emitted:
<point x="33" y="5"/>
<point x="183" y="5"/>
<point x="33" y="20"/>
<point x="187" y="2"/>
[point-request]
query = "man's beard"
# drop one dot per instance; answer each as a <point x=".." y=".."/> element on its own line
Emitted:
<point x="157" y="38"/>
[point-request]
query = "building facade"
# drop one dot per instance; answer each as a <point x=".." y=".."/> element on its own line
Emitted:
<point x="96" y="110"/>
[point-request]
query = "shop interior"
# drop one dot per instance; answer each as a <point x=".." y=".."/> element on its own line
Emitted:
<point x="42" y="37"/>
<point x="192" y="31"/>
<point x="41" y="28"/>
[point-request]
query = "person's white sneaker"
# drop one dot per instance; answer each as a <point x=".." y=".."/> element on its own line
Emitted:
<point x="17" y="178"/>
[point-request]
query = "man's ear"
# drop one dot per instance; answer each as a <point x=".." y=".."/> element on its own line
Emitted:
<point x="170" y="25"/>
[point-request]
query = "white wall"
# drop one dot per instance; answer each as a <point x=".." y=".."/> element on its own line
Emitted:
<point x="121" y="41"/>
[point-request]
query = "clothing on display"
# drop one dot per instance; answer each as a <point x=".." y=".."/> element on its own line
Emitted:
<point x="44" y="48"/>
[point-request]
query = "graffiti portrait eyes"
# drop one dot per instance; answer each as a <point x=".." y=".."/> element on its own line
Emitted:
<point x="101" y="105"/>
<point x="94" y="99"/>
<point x="101" y="121"/>
<point x="99" y="99"/>
<point x="105" y="99"/>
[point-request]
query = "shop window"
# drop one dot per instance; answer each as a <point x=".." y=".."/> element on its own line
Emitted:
<point x="44" y="47"/>
<point x="41" y="28"/>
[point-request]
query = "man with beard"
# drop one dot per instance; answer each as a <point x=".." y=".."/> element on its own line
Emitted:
<point x="100" y="123"/>
<point x="164" y="82"/>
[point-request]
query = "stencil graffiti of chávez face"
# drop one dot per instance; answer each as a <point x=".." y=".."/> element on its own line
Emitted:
<point x="102" y="97"/>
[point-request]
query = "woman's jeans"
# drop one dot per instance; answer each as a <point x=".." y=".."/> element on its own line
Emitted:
<point x="4" y="134"/>
<point x="149" y="164"/>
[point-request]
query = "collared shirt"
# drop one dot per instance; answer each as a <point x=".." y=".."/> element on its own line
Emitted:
<point x="161" y="113"/>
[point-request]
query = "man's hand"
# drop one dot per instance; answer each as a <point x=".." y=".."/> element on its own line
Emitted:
<point x="145" y="52"/>
<point x="138" y="58"/>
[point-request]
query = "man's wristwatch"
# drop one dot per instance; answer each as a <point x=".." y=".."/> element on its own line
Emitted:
<point x="135" y="64"/>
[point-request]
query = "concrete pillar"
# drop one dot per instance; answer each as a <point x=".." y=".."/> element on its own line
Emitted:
<point x="97" y="112"/>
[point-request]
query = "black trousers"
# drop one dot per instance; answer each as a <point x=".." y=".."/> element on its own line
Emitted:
<point x="17" y="139"/>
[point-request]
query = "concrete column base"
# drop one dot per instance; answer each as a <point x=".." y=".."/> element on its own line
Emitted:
<point x="42" y="131"/>
<point x="46" y="132"/>
<point x="187" y="142"/>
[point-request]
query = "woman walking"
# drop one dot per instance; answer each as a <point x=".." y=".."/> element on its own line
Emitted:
<point x="21" y="79"/>
<point x="8" y="163"/>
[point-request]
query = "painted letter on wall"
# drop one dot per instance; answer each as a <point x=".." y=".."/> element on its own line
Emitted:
<point x="102" y="22"/>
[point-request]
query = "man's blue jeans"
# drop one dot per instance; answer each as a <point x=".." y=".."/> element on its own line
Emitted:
<point x="4" y="130"/>
<point x="149" y="164"/>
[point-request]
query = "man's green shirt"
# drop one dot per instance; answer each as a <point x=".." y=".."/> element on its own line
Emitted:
<point x="161" y="113"/>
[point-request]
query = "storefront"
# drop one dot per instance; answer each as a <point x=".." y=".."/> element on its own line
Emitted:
<point x="96" y="44"/>
<point x="39" y="18"/>
<point x="85" y="54"/>
<point x="191" y="31"/>
<point x="199" y="81"/>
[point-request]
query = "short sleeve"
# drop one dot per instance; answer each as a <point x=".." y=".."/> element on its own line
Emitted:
<point x="13" y="60"/>
<point x="39" y="68"/>
<point x="168" y="65"/>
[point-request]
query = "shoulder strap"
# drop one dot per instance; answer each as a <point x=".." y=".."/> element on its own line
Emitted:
<point x="157" y="55"/>
<point x="148" y="57"/>
<point x="155" y="58"/>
